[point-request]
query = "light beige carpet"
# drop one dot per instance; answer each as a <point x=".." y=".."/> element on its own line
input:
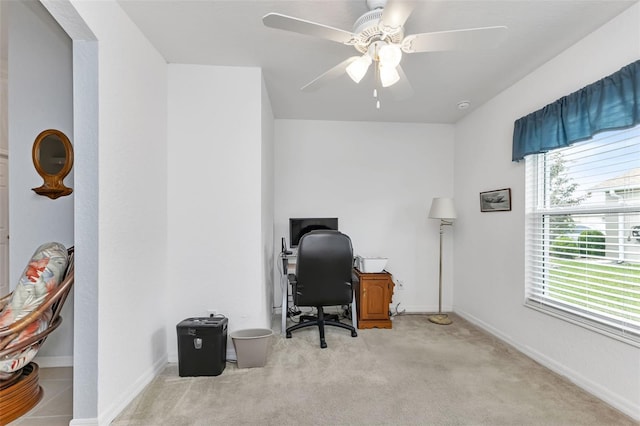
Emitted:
<point x="418" y="373"/>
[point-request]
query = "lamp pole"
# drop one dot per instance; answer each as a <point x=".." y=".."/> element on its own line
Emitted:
<point x="440" y="318"/>
<point x="440" y="271"/>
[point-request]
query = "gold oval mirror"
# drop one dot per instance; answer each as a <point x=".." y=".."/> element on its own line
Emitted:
<point x="53" y="158"/>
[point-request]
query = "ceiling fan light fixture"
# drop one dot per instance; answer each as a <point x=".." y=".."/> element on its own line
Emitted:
<point x="379" y="36"/>
<point x="388" y="75"/>
<point x="390" y="55"/>
<point x="358" y="68"/>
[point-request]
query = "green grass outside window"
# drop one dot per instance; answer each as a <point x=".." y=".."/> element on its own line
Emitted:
<point x="584" y="283"/>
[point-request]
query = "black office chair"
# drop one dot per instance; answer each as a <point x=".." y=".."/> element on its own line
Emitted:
<point x="323" y="278"/>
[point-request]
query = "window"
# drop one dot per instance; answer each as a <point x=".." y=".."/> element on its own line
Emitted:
<point x="583" y="233"/>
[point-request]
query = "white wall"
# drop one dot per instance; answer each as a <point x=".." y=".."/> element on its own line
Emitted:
<point x="4" y="150"/>
<point x="132" y="240"/>
<point x="268" y="195"/>
<point x="215" y="195"/>
<point x="489" y="247"/>
<point x="87" y="226"/>
<point x="378" y="179"/>
<point x="40" y="98"/>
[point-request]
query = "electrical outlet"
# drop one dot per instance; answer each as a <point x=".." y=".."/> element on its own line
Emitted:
<point x="399" y="285"/>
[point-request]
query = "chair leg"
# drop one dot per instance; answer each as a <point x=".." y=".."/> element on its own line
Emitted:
<point x="353" y="331"/>
<point x="331" y="317"/>
<point x="299" y="326"/>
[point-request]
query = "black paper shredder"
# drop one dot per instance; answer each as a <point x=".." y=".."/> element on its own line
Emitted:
<point x="202" y="346"/>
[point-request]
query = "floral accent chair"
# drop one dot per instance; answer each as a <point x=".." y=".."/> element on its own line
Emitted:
<point x="27" y="317"/>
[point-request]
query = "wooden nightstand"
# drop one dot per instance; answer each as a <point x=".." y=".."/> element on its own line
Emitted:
<point x="373" y="296"/>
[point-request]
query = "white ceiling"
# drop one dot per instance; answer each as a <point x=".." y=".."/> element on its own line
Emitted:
<point x="232" y="33"/>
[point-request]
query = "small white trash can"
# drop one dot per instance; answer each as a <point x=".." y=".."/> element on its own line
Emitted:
<point x="252" y="346"/>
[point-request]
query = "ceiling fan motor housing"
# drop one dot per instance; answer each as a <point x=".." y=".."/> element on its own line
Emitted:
<point x="369" y="30"/>
<point x="376" y="4"/>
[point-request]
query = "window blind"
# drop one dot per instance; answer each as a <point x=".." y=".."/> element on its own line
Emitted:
<point x="583" y="232"/>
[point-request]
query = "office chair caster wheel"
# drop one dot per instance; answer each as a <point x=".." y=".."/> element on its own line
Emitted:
<point x="354" y="333"/>
<point x="288" y="335"/>
<point x="323" y="344"/>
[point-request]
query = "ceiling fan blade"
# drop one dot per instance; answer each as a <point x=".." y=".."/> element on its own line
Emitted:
<point x="301" y="26"/>
<point x="395" y="14"/>
<point x="402" y="89"/>
<point x="469" y="39"/>
<point x="329" y="75"/>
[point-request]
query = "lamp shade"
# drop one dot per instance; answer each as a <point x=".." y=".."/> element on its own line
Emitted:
<point x="442" y="208"/>
<point x="388" y="75"/>
<point x="358" y="68"/>
<point x="390" y="55"/>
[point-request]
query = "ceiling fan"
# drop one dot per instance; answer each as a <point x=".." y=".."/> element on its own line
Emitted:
<point x="379" y="36"/>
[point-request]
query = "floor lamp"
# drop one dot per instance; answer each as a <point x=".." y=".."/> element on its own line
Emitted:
<point x="443" y="209"/>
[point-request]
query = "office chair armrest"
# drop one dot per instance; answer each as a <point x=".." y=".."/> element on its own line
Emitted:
<point x="355" y="282"/>
<point x="293" y="280"/>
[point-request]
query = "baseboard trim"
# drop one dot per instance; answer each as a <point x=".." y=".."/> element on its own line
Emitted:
<point x="134" y="390"/>
<point x="627" y="407"/>
<point x="84" y="422"/>
<point x="231" y="354"/>
<point x="53" y="361"/>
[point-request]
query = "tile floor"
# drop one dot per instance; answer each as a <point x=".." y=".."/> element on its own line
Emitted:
<point x="56" y="406"/>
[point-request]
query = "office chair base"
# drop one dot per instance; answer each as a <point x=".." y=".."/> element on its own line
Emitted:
<point x="320" y="321"/>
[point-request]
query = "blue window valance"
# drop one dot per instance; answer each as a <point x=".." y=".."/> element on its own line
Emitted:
<point x="608" y="104"/>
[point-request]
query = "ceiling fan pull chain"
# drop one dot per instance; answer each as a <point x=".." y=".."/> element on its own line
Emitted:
<point x="376" y="83"/>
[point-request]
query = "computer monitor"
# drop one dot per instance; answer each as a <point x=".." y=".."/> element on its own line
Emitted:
<point x="300" y="226"/>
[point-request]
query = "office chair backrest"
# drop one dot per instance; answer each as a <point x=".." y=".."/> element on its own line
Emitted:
<point x="323" y="269"/>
